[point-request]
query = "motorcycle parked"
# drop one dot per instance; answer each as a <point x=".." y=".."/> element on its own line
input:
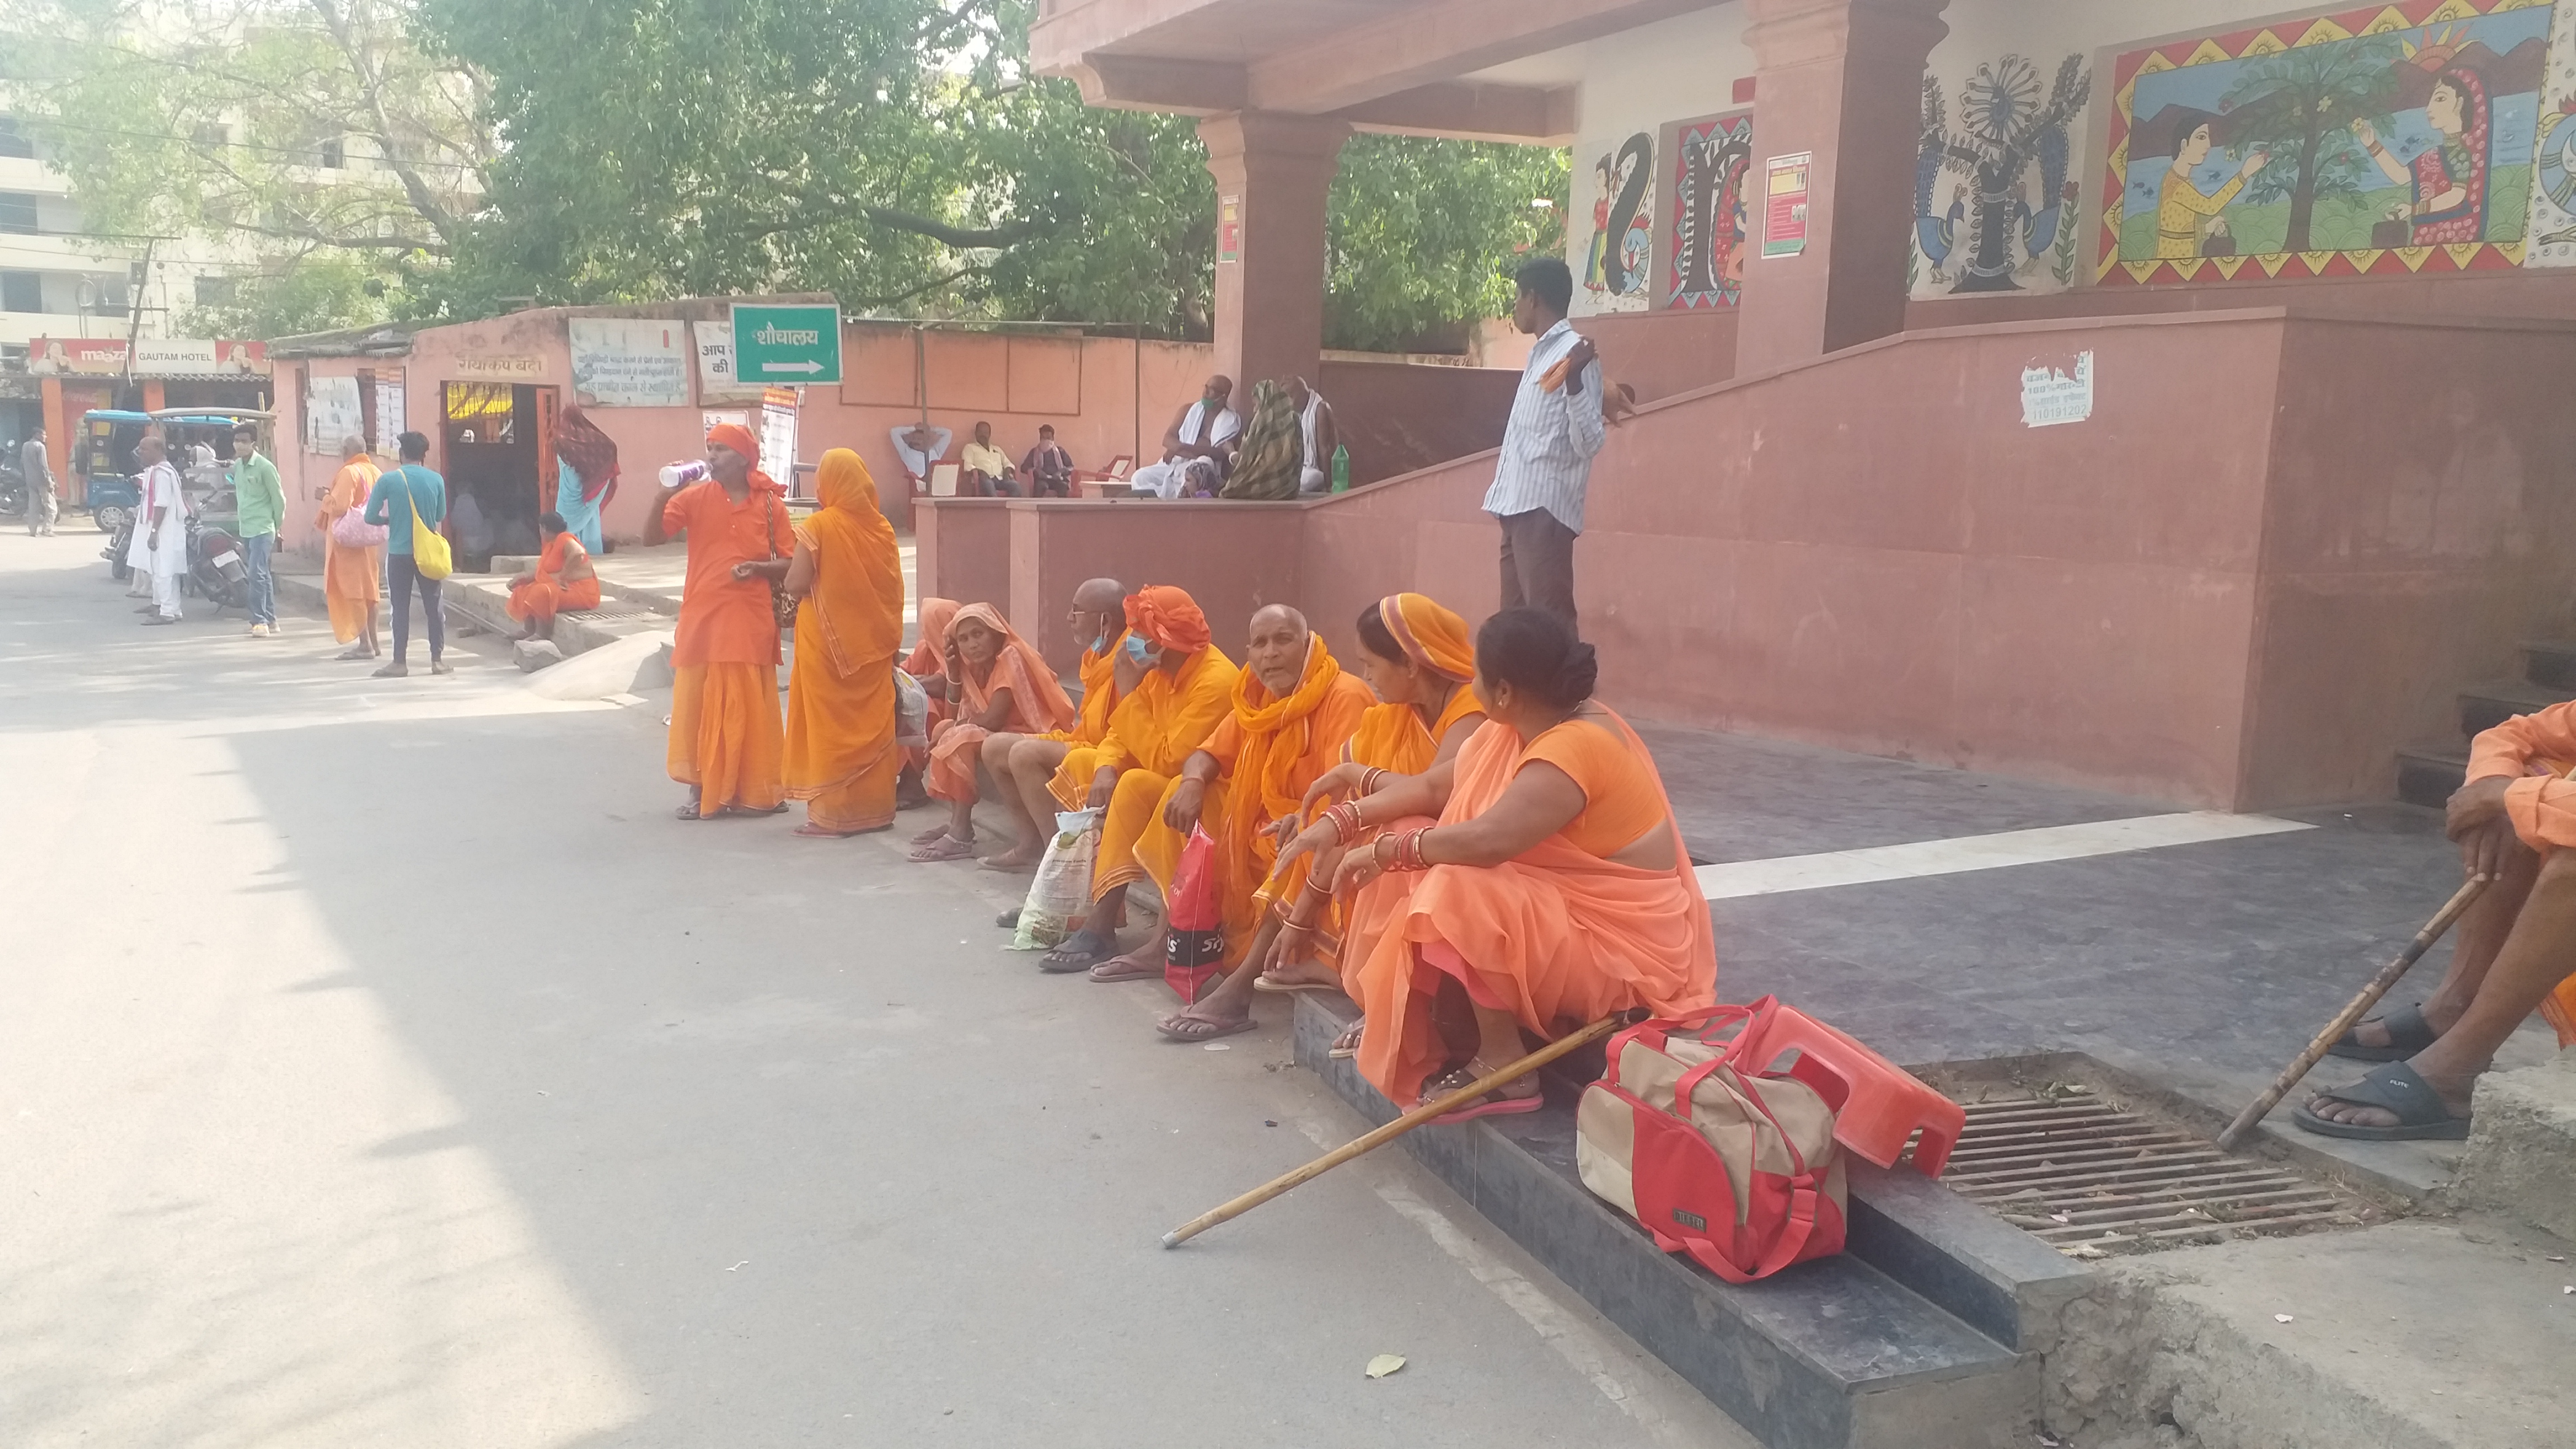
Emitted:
<point x="117" y="545"/>
<point x="216" y="572"/>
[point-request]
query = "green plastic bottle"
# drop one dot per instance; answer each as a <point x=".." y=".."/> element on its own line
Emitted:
<point x="1341" y="467"/>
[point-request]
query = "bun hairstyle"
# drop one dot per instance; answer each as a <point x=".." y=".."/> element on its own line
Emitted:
<point x="1536" y="653"/>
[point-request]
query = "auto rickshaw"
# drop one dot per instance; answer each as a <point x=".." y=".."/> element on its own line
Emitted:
<point x="201" y="448"/>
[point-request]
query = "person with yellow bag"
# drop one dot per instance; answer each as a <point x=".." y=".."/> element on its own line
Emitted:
<point x="415" y="553"/>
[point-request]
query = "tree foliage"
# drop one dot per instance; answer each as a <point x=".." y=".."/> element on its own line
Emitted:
<point x="895" y="153"/>
<point x="2301" y="105"/>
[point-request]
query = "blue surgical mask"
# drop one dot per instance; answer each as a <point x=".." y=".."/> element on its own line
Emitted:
<point x="1140" y="650"/>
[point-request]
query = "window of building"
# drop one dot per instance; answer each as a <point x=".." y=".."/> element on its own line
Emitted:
<point x="14" y="140"/>
<point x="22" y="292"/>
<point x="17" y="213"/>
<point x="216" y="291"/>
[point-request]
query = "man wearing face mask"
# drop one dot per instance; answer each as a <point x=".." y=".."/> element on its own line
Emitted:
<point x="1290" y="711"/>
<point x="1023" y="765"/>
<point x="1184" y="689"/>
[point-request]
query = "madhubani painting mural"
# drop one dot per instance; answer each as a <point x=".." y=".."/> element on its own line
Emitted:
<point x="1704" y="235"/>
<point x="2551" y="239"/>
<point x="1995" y="196"/>
<point x="1615" y="266"/>
<point x="2380" y="141"/>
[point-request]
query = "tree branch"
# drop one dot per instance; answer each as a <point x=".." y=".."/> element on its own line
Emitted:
<point x="371" y="89"/>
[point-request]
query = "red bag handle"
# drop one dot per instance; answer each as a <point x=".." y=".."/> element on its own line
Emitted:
<point x="1656" y="1031"/>
<point x="1801" y="1224"/>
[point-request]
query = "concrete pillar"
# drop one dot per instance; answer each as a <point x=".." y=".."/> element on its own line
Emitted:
<point x="1273" y="176"/>
<point x="1842" y="79"/>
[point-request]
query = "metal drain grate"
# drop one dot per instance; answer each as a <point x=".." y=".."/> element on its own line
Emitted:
<point x="2091" y="1180"/>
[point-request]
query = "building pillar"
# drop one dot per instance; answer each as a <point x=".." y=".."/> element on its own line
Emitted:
<point x="1274" y="174"/>
<point x="59" y="421"/>
<point x="1842" y="80"/>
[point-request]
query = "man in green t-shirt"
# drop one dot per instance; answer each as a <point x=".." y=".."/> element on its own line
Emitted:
<point x="261" y="503"/>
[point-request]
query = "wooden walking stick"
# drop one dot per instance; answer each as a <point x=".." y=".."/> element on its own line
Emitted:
<point x="1501" y="1076"/>
<point x="2353" y="1011"/>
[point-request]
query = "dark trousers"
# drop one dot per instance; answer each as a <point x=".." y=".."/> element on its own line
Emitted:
<point x="401" y="576"/>
<point x="1538" y="564"/>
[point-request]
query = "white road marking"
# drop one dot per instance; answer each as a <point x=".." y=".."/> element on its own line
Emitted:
<point x="1735" y="879"/>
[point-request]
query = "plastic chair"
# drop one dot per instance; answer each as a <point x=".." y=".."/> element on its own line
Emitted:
<point x="1877" y="1104"/>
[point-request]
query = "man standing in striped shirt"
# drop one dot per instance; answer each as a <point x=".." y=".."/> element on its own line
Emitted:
<point x="1548" y="446"/>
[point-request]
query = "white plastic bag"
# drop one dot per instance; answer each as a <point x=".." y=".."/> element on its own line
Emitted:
<point x="1060" y="898"/>
<point x="911" y="711"/>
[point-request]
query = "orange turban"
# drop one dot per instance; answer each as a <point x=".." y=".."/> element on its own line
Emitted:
<point x="1169" y="617"/>
<point x="738" y="438"/>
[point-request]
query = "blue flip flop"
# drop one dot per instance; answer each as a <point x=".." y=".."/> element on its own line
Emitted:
<point x="2395" y="1088"/>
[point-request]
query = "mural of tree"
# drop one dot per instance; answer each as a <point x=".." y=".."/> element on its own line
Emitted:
<point x="2300" y="105"/>
<point x="2006" y="130"/>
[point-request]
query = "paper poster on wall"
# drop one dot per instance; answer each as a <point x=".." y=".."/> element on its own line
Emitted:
<point x="1705" y="231"/>
<point x="628" y="363"/>
<point x="389" y="411"/>
<point x="1785" y="182"/>
<point x="716" y="381"/>
<point x="778" y="436"/>
<point x="1229" y="229"/>
<point x="1616" y="260"/>
<point x="330" y="414"/>
<point x="2052" y="396"/>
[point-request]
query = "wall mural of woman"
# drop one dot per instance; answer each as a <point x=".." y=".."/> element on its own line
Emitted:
<point x="2450" y="177"/>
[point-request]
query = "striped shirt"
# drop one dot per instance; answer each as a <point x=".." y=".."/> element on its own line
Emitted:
<point x="1549" y="443"/>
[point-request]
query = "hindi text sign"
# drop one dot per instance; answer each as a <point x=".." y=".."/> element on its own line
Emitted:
<point x="785" y="345"/>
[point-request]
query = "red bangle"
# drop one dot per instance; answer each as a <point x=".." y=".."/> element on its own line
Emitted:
<point x="1345" y="820"/>
<point x="1369" y="780"/>
<point x="1408" y="850"/>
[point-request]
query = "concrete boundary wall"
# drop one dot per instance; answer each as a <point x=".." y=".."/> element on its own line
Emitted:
<point x="2269" y="557"/>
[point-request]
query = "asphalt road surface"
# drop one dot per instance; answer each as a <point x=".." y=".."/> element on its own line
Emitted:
<point x="382" y="1064"/>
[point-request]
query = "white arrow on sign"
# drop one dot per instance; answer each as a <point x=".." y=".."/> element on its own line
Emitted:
<point x="791" y="367"/>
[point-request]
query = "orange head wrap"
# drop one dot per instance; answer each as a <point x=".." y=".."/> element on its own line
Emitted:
<point x="738" y="438"/>
<point x="1169" y="617"/>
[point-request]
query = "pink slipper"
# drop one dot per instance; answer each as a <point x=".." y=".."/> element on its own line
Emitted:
<point x="1492" y="1106"/>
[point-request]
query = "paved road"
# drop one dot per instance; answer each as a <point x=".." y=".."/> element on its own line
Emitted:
<point x="381" y="1064"/>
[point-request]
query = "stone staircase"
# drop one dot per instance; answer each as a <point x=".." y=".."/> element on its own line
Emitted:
<point x="2427" y="775"/>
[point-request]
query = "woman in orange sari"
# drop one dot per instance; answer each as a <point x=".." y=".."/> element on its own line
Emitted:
<point x="848" y="571"/>
<point x="994" y="681"/>
<point x="562" y="580"/>
<point x="928" y="662"/>
<point x="350" y="587"/>
<point x="1419" y="659"/>
<point x="1551" y="891"/>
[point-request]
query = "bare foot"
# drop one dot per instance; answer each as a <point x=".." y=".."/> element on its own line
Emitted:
<point x="1196" y="1023"/>
<point x="1347" y="1045"/>
<point x="1303" y="974"/>
<point x="1022" y="857"/>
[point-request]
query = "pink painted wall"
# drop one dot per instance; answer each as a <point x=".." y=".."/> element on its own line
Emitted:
<point x="2270" y="556"/>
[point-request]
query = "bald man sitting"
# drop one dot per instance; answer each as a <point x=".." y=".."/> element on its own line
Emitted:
<point x="1022" y="765"/>
<point x="1293" y="710"/>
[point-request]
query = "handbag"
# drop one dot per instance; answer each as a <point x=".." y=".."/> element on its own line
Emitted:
<point x="1734" y="1166"/>
<point x="911" y="711"/>
<point x="352" y="530"/>
<point x="1194" y="947"/>
<point x="430" y="557"/>
<point x="782" y="604"/>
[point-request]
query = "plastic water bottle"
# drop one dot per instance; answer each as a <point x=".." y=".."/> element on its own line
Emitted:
<point x="677" y="475"/>
<point x="1341" y="467"/>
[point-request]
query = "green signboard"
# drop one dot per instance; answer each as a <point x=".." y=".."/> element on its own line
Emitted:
<point x="786" y="346"/>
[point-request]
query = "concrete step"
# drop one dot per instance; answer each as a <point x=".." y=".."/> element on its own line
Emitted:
<point x="483" y="600"/>
<point x="2549" y="664"/>
<point x="2428" y="775"/>
<point x="2521" y="1162"/>
<point x="1834" y="1354"/>
<point x="2484" y="706"/>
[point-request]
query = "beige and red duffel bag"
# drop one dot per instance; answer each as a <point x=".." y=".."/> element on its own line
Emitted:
<point x="1734" y="1166"/>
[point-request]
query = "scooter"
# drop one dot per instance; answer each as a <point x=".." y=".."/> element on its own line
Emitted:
<point x="216" y="572"/>
<point x="118" y="545"/>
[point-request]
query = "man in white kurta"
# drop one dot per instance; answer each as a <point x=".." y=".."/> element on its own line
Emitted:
<point x="1206" y="429"/>
<point x="161" y="530"/>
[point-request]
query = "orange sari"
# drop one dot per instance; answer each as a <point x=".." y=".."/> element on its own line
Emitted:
<point x="2534" y="749"/>
<point x="547" y="595"/>
<point x="841" y="756"/>
<point x="1038" y="705"/>
<point x="349" y="575"/>
<point x="1559" y="936"/>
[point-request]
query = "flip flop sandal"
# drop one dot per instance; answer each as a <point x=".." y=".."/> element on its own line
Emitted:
<point x="1066" y="959"/>
<point x="932" y="836"/>
<point x="1189" y="1029"/>
<point x="1341" y="1053"/>
<point x="2408" y="1033"/>
<point x="1264" y="983"/>
<point x="1125" y="968"/>
<point x="690" y="812"/>
<point x="1489" y="1105"/>
<point x="946" y="847"/>
<point x="2395" y="1088"/>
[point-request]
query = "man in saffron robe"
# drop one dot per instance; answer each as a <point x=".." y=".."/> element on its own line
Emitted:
<point x="726" y="737"/>
<point x="2517" y="950"/>
<point x="563" y="579"/>
<point x="1293" y="710"/>
<point x="1023" y="765"/>
<point x="842" y="759"/>
<point x="349" y="575"/>
<point x="1187" y="688"/>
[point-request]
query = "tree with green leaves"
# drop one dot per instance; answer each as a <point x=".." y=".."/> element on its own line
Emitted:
<point x="2301" y="104"/>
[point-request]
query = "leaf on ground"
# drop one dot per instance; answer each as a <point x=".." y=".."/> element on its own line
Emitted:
<point x="1384" y="1364"/>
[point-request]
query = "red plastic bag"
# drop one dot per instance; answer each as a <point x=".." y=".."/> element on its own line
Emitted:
<point x="1194" y="952"/>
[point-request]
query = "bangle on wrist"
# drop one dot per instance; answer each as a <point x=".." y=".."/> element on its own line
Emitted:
<point x="1372" y="778"/>
<point x="1345" y="820"/>
<point x="1408" y="850"/>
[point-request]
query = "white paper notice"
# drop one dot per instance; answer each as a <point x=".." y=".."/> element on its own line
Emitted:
<point x="2050" y="396"/>
<point x="330" y="413"/>
<point x="628" y="363"/>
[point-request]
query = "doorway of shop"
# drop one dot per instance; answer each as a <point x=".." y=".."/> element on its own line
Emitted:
<point x="494" y="436"/>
